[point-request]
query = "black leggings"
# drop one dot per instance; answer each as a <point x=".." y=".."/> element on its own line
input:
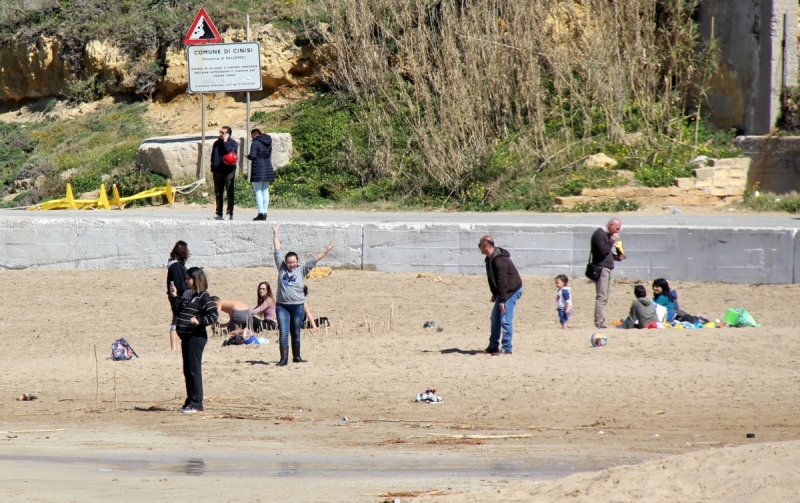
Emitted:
<point x="192" y="352"/>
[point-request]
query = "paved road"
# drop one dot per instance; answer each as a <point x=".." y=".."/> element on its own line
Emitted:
<point x="770" y="220"/>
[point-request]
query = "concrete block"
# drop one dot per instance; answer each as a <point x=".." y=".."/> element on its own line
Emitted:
<point x="590" y="192"/>
<point x="624" y="192"/>
<point x="721" y="180"/>
<point x="642" y="192"/>
<point x="737" y="182"/>
<point x="607" y="192"/>
<point x="705" y="182"/>
<point x="733" y="162"/>
<point x="704" y="173"/>
<point x="734" y="191"/>
<point x="568" y="202"/>
<point x="685" y="183"/>
<point x="719" y="191"/>
<point x="660" y="192"/>
<point x="675" y="191"/>
<point x="737" y="172"/>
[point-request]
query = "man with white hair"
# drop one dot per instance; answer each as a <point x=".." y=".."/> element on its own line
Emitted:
<point x="602" y="245"/>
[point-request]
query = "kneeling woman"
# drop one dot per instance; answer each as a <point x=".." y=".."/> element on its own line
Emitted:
<point x="290" y="297"/>
<point x="195" y="311"/>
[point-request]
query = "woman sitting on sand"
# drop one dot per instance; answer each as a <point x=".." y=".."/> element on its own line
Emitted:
<point x="265" y="306"/>
<point x="290" y="297"/>
<point x="195" y="311"/>
<point x="664" y="295"/>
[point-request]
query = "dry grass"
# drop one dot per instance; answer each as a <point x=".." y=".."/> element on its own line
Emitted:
<point x="444" y="82"/>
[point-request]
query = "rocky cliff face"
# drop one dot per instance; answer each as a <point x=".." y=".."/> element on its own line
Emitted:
<point x="39" y="70"/>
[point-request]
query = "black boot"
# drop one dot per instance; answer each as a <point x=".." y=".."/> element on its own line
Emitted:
<point x="259" y="217"/>
<point x="284" y="356"/>
<point x="296" y="354"/>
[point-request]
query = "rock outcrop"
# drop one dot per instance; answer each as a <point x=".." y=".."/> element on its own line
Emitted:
<point x="40" y="70"/>
<point x="179" y="155"/>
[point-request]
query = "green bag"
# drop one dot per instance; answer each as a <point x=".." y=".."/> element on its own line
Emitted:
<point x="744" y="319"/>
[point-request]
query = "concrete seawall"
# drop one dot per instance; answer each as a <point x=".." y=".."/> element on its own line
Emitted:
<point x="728" y="254"/>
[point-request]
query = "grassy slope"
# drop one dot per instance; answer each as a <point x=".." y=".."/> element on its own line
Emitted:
<point x="331" y="142"/>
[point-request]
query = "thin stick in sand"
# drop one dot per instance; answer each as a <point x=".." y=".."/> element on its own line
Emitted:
<point x="96" y="379"/>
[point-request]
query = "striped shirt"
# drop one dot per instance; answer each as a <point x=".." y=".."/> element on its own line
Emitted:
<point x="189" y="306"/>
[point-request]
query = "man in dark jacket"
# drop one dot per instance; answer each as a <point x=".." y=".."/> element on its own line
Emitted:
<point x="223" y="173"/>
<point x="602" y="245"/>
<point x="506" y="287"/>
<point x="261" y="172"/>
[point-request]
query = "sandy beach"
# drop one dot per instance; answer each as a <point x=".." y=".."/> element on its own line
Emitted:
<point x="654" y="416"/>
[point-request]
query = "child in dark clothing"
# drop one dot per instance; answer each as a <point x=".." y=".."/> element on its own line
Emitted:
<point x="643" y="311"/>
<point x="195" y="311"/>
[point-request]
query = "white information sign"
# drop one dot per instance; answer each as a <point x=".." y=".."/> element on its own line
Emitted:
<point x="224" y="67"/>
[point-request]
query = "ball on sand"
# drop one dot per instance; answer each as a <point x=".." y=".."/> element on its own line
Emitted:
<point x="599" y="339"/>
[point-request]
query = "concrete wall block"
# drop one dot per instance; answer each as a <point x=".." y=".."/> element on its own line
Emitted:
<point x="660" y="192"/>
<point x="734" y="191"/>
<point x="705" y="182"/>
<point x="721" y="181"/>
<point x="569" y="201"/>
<point x="624" y="192"/>
<point x="733" y="162"/>
<point x="719" y="191"/>
<point x="685" y="183"/>
<point x="739" y="255"/>
<point x="737" y="172"/>
<point x="590" y="192"/>
<point x="704" y="173"/>
<point x="675" y="191"/>
<point x="737" y="182"/>
<point x="117" y="243"/>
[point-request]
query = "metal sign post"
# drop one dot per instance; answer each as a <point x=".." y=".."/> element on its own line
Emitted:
<point x="202" y="135"/>
<point x="247" y="131"/>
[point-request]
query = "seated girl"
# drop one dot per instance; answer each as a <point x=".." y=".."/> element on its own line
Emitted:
<point x="663" y="295"/>
<point x="266" y="308"/>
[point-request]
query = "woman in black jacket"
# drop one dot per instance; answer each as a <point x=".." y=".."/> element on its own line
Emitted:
<point x="176" y="275"/>
<point x="261" y="172"/>
<point x="195" y="311"/>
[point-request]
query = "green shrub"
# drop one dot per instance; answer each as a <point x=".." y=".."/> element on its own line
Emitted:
<point x="244" y="197"/>
<point x="616" y="206"/>
<point x="789" y="203"/>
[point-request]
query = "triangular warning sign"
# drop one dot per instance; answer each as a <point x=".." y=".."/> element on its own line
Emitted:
<point x="202" y="31"/>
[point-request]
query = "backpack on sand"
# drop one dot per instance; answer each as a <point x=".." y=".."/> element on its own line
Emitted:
<point x="121" y="350"/>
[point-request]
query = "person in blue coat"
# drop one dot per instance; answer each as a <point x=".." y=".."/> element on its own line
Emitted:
<point x="261" y="172"/>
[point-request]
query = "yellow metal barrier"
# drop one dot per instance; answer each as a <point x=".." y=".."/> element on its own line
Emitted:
<point x="70" y="203"/>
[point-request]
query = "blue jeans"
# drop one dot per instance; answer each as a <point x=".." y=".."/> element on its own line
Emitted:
<point x="290" y="319"/>
<point x="504" y="322"/>
<point x="261" y="190"/>
<point x="563" y="316"/>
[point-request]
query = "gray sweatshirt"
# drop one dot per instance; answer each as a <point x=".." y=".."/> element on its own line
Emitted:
<point x="643" y="313"/>
<point x="290" y="283"/>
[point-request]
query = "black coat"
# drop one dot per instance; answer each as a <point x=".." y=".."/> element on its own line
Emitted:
<point x="602" y="247"/>
<point x="261" y="155"/>
<point x="218" y="151"/>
